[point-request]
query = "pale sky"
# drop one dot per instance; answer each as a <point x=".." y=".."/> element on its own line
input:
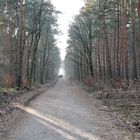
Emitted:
<point x="69" y="8"/>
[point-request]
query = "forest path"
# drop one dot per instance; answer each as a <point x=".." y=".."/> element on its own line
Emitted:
<point x="64" y="112"/>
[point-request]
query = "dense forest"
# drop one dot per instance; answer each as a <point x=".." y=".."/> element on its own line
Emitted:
<point x="97" y="97"/>
<point x="104" y="42"/>
<point x="28" y="52"/>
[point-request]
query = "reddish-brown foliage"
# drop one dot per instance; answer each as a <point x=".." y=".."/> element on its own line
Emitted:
<point x="89" y="80"/>
<point x="9" y="80"/>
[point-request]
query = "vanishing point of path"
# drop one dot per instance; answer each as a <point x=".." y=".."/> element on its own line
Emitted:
<point x="64" y="112"/>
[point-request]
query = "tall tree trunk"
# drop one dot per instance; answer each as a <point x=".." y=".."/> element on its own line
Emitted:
<point x="132" y="18"/>
<point x="10" y="41"/>
<point x="108" y="54"/>
<point x="33" y="62"/>
<point x="123" y="54"/>
<point x="139" y="15"/>
<point x="118" y="41"/>
<point x="139" y="31"/>
<point x="28" y="59"/>
<point x="99" y="60"/>
<point x="90" y="48"/>
<point x="45" y="61"/>
<point x="20" y="61"/>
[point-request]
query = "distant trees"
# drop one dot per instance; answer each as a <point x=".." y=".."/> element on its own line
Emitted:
<point x="104" y="41"/>
<point x="27" y="41"/>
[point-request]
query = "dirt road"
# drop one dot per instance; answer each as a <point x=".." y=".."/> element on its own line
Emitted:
<point x="65" y="112"/>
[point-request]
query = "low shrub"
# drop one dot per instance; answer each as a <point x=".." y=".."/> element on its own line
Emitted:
<point x="8" y="80"/>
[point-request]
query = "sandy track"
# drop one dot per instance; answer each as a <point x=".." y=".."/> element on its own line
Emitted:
<point x="65" y="112"/>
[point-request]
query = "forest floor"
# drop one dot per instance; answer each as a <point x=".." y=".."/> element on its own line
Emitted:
<point x="65" y="112"/>
<point x="124" y="105"/>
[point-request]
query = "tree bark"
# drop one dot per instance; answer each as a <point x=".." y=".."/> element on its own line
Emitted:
<point x="20" y="45"/>
<point x="132" y="18"/>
